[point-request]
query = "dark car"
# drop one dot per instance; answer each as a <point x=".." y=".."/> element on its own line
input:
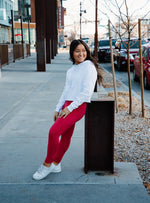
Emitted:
<point x="104" y="50"/>
<point x="120" y="53"/>
<point x="85" y="39"/>
<point x="146" y="66"/>
<point x="91" y="47"/>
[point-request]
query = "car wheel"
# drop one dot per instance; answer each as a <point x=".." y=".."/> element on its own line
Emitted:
<point x="115" y="65"/>
<point x="118" y="66"/>
<point x="146" y="86"/>
<point x="99" y="58"/>
<point x="135" y="77"/>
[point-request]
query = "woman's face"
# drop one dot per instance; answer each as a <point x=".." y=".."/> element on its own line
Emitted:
<point x="79" y="54"/>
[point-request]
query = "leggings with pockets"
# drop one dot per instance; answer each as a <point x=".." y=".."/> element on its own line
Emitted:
<point x="63" y="127"/>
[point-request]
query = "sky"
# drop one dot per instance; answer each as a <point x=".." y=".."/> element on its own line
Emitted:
<point x="73" y="13"/>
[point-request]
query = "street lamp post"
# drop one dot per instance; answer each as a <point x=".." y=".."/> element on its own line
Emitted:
<point x="12" y="30"/>
<point x="12" y="40"/>
<point x="22" y="41"/>
<point x="28" y="18"/>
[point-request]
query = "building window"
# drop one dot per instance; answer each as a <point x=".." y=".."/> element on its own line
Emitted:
<point x="2" y="14"/>
<point x="1" y="4"/>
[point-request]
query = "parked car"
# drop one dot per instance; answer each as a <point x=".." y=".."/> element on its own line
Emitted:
<point x="104" y="50"/>
<point x="120" y="53"/>
<point x="85" y="39"/>
<point x="146" y="66"/>
<point x="91" y="47"/>
<point x="148" y="39"/>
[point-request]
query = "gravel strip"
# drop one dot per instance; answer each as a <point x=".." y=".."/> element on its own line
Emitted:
<point x="132" y="132"/>
<point x="132" y="141"/>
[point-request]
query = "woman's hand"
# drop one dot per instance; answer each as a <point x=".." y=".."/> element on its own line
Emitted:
<point x="56" y="114"/>
<point x="64" y="113"/>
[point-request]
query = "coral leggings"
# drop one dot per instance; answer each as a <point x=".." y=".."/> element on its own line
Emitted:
<point x="63" y="127"/>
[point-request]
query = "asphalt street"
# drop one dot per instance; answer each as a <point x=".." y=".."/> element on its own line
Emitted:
<point x="123" y="77"/>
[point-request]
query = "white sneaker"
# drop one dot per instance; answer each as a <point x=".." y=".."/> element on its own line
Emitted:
<point x="43" y="171"/>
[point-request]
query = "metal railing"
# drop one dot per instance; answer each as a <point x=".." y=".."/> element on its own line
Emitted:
<point x="9" y="52"/>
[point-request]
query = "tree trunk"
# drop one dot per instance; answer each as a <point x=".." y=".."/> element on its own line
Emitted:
<point x="129" y="76"/>
<point x="113" y="69"/>
<point x="141" y="68"/>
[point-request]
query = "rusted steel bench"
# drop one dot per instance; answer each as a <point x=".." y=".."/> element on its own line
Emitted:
<point x="99" y="135"/>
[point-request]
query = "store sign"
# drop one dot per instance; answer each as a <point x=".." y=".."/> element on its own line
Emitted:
<point x="60" y="17"/>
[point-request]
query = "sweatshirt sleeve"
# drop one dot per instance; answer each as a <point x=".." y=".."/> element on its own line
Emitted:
<point x="63" y="95"/>
<point x="88" y="84"/>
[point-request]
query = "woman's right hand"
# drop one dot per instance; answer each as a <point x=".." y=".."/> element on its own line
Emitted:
<point x="56" y="114"/>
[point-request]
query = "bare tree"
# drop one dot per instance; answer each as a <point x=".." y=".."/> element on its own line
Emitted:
<point x="72" y="36"/>
<point x="113" y="69"/>
<point x="141" y="69"/>
<point x="120" y="10"/>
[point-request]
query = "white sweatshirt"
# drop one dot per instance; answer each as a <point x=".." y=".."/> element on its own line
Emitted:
<point x="79" y="86"/>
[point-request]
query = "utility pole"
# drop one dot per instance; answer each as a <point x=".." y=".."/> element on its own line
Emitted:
<point x="96" y="34"/>
<point x="96" y="41"/>
<point x="81" y="18"/>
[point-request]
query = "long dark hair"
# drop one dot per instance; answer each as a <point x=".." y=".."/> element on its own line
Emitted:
<point x="73" y="46"/>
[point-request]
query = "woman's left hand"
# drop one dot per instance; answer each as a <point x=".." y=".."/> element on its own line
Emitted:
<point x="64" y="113"/>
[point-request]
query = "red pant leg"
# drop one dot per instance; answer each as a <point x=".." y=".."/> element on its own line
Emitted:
<point x="64" y="127"/>
<point x="64" y="144"/>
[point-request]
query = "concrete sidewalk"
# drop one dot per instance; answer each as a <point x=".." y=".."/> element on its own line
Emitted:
<point x="28" y="100"/>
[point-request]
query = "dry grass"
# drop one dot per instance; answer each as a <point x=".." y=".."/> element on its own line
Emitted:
<point x="107" y="79"/>
<point x="123" y="100"/>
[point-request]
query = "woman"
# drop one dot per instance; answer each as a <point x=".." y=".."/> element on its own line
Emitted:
<point x="79" y="87"/>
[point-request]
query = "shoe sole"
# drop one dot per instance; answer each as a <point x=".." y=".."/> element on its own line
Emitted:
<point x="56" y="171"/>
